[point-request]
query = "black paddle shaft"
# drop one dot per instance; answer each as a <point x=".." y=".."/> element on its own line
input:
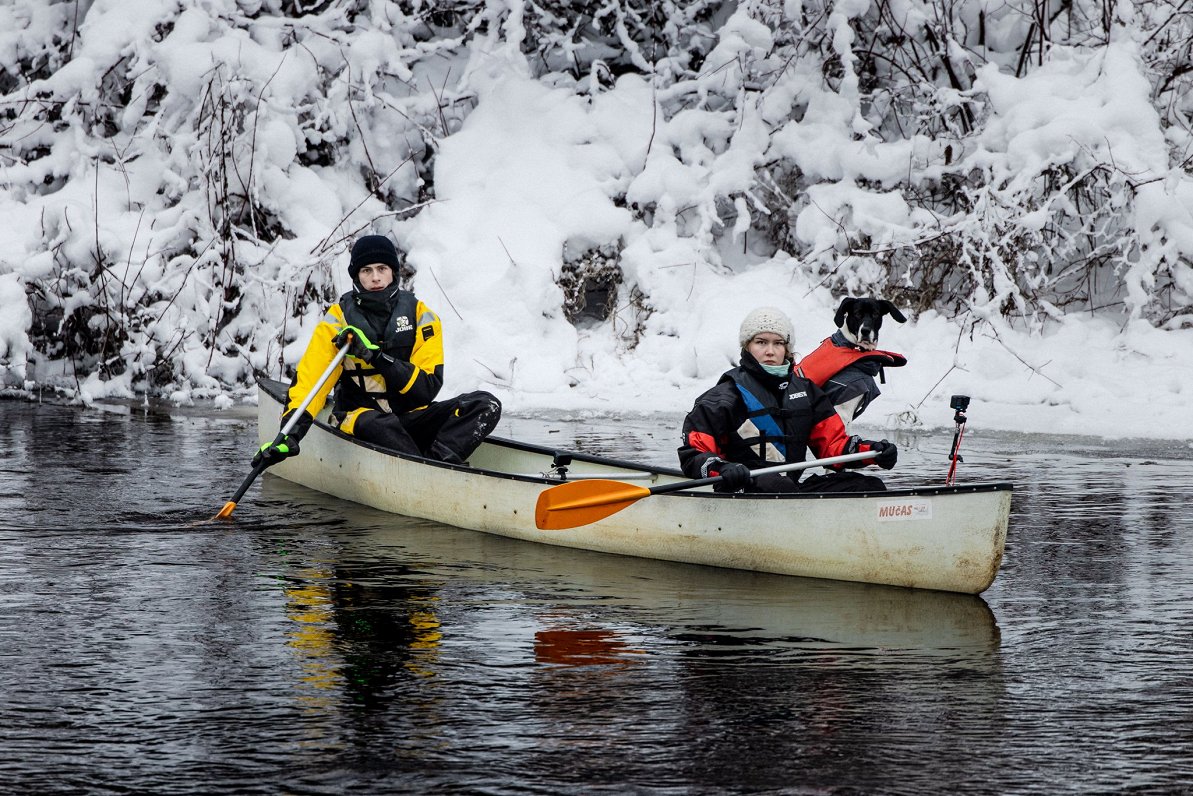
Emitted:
<point x="248" y="481"/>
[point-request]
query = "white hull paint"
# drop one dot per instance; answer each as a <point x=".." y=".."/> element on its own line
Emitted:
<point x="946" y="538"/>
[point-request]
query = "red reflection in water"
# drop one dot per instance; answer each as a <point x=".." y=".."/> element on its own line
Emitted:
<point x="571" y="647"/>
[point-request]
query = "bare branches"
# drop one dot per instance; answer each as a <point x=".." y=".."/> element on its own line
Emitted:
<point x="882" y="158"/>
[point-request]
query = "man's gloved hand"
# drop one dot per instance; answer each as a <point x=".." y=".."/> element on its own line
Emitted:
<point x="734" y="476"/>
<point x="885" y="453"/>
<point x="283" y="447"/>
<point x="359" y="345"/>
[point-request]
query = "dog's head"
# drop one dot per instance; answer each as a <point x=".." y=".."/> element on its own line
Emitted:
<point x="859" y="319"/>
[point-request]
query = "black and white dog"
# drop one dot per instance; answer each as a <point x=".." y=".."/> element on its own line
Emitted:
<point x="846" y="364"/>
<point x="859" y="319"/>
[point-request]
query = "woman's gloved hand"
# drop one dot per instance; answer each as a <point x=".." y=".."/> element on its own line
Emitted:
<point x="734" y="477"/>
<point x="885" y="453"/>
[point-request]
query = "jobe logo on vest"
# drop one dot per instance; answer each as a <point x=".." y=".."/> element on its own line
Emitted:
<point x="402" y="324"/>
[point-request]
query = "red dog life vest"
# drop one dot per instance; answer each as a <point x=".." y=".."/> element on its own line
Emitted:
<point x="828" y="360"/>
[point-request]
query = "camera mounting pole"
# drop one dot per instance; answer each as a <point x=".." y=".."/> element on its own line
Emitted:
<point x="959" y="404"/>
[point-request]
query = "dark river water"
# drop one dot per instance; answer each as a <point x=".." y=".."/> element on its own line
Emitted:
<point x="309" y="645"/>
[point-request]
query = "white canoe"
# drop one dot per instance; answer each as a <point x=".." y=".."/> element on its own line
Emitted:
<point x="945" y="538"/>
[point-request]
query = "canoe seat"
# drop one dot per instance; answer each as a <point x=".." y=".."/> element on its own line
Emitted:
<point x="562" y="460"/>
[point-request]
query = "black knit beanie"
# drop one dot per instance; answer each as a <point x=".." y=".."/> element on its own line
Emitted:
<point x="370" y="250"/>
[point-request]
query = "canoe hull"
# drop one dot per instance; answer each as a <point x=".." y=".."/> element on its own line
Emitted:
<point x="951" y="539"/>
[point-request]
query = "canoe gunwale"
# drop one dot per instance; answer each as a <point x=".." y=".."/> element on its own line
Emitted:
<point x="277" y="390"/>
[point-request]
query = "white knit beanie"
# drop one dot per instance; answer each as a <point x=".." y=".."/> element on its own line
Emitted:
<point x="765" y="319"/>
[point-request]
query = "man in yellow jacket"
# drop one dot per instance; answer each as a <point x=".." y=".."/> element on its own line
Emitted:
<point x="394" y="369"/>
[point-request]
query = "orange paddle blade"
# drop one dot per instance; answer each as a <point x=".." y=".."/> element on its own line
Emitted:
<point x="581" y="502"/>
<point x="226" y="511"/>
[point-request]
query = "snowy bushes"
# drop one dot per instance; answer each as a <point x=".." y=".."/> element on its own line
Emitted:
<point x="976" y="179"/>
<point x="189" y="175"/>
<point x="181" y="185"/>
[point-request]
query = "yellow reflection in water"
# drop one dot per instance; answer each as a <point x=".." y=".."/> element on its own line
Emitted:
<point x="311" y="604"/>
<point x="311" y="607"/>
<point x="426" y="637"/>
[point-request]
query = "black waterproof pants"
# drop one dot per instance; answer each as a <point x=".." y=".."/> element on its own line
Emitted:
<point x="845" y="481"/>
<point x="446" y="430"/>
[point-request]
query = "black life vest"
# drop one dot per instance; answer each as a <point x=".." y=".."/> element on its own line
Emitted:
<point x="776" y="429"/>
<point x="397" y="338"/>
<point x="361" y="384"/>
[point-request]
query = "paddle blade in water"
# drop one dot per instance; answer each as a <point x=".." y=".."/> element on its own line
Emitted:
<point x="225" y="512"/>
<point x="581" y="502"/>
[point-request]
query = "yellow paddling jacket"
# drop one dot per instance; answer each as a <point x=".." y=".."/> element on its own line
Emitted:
<point x="406" y="375"/>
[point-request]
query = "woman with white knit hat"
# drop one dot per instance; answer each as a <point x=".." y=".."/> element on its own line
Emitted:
<point x="761" y="414"/>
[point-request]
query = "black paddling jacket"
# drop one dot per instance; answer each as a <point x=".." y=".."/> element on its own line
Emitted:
<point x="759" y="420"/>
<point x="407" y="377"/>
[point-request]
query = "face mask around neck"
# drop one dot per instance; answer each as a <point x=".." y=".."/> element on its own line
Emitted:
<point x="376" y="300"/>
<point x="777" y="370"/>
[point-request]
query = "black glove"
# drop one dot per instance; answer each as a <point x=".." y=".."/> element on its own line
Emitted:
<point x="885" y="453"/>
<point x="734" y="476"/>
<point x="359" y="345"/>
<point x="283" y="447"/>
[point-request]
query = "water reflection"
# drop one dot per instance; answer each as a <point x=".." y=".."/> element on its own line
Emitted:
<point x="313" y="646"/>
<point x="579" y="646"/>
<point x="609" y="610"/>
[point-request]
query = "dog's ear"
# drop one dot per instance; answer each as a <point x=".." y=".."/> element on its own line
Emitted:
<point x="843" y="310"/>
<point x="892" y="310"/>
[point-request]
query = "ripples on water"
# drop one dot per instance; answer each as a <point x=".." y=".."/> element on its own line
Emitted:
<point x="314" y="646"/>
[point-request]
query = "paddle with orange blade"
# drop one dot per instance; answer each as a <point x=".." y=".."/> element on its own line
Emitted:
<point x="259" y="468"/>
<point x="582" y="502"/>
